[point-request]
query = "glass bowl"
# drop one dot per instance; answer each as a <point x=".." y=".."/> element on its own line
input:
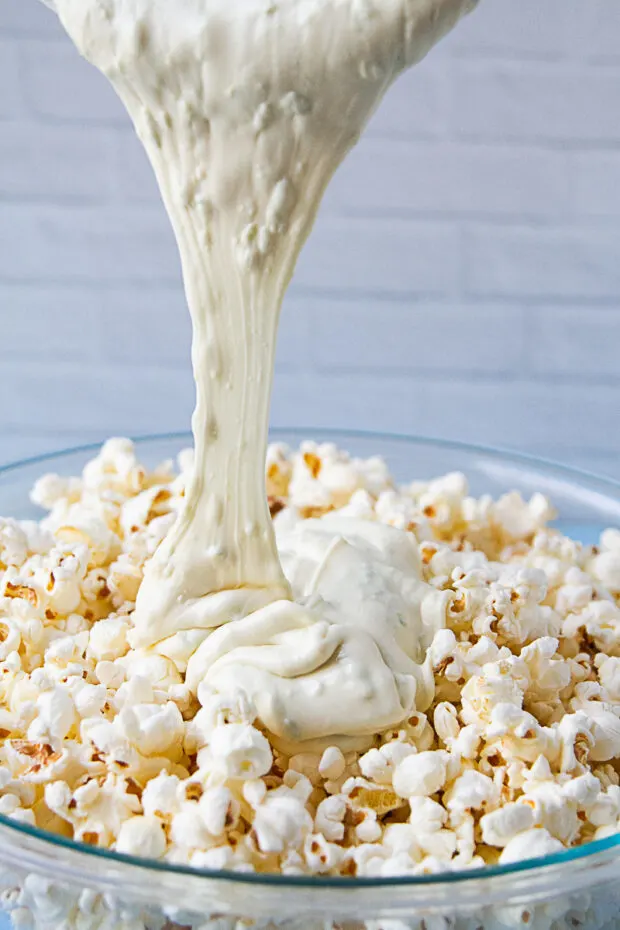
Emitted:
<point x="51" y="883"/>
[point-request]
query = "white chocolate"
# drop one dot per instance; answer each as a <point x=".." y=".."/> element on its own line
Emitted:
<point x="246" y="109"/>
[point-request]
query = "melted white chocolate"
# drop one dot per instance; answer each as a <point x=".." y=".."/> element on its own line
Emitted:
<point x="353" y="643"/>
<point x="246" y="108"/>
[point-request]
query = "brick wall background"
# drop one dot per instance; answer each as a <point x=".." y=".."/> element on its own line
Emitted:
<point x="463" y="279"/>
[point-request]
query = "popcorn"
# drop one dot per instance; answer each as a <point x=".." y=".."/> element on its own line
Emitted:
<point x="219" y="810"/>
<point x="109" y="674"/>
<point x="471" y="791"/>
<point x="299" y="785"/>
<point x="605" y="810"/>
<point x="605" y="567"/>
<point x="158" y="671"/>
<point x="554" y="811"/>
<point x="278" y="469"/>
<point x="497" y="684"/>
<point x="55" y="716"/>
<point x="322" y="856"/>
<point x="332" y="763"/>
<point x="379" y="764"/>
<point x="96" y="811"/>
<point x="519" y="519"/>
<point x="603" y="718"/>
<point x="142" y="836"/>
<point x="309" y="764"/>
<point x="188" y="831"/>
<point x="576" y="740"/>
<point x="160" y="797"/>
<point x="530" y="844"/>
<point x="153" y="729"/>
<point x="421" y="774"/>
<point x="254" y="792"/>
<point x="52" y="489"/>
<point x="608" y="670"/>
<point x="137" y="512"/>
<point x="368" y="830"/>
<point x="440" y="844"/>
<point x="281" y="822"/>
<point x="108" y="639"/>
<point x="515" y="755"/>
<point x="220" y="858"/>
<point x="329" y="818"/>
<point x="239" y="751"/>
<point x="547" y="671"/>
<point x="446" y="723"/>
<point x="501" y="826"/>
<point x="596" y="626"/>
<point x="10" y="637"/>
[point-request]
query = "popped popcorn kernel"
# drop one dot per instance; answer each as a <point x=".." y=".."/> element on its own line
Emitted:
<point x="142" y="836"/>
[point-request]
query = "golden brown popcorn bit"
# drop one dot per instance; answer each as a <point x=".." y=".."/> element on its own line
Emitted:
<point x="229" y="819"/>
<point x="313" y="463"/>
<point x="276" y="771"/>
<point x="349" y="868"/>
<point x="440" y="668"/>
<point x="315" y="848"/>
<point x="276" y="504"/>
<point x="132" y="787"/>
<point x="377" y="798"/>
<point x="495" y="759"/>
<point x="272" y="781"/>
<point x="194" y="791"/>
<point x="313" y="513"/>
<point x="22" y="591"/>
<point x="162" y="497"/>
<point x="99" y="589"/>
<point x="71" y="534"/>
<point x="353" y="818"/>
<point x="278" y="477"/>
<point x="587" y="642"/>
<point x="41" y="754"/>
<point x="582" y="749"/>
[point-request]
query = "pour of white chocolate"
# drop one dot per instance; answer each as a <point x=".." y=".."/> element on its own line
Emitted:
<point x="246" y="108"/>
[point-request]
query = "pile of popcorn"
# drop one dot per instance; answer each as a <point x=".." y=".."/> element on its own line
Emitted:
<point x="518" y="755"/>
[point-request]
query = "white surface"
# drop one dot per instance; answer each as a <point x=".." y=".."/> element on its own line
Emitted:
<point x="512" y="125"/>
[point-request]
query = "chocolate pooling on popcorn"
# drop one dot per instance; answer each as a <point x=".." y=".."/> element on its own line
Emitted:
<point x="245" y="109"/>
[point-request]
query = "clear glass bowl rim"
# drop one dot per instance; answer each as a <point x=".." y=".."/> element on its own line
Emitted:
<point x="598" y="853"/>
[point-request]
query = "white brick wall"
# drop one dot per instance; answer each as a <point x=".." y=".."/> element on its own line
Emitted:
<point x="520" y="101"/>
<point x="463" y="278"/>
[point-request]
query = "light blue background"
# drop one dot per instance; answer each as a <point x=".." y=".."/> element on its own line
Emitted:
<point x="463" y="279"/>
